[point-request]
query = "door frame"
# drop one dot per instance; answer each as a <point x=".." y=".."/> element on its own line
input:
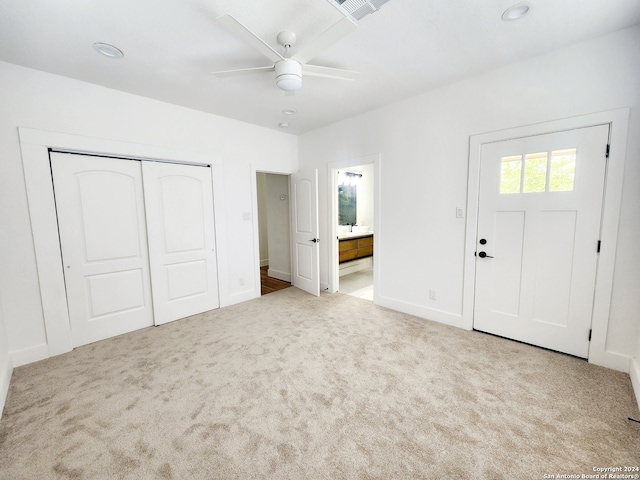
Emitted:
<point x="332" y="229"/>
<point x="618" y="123"/>
<point x="35" y="146"/>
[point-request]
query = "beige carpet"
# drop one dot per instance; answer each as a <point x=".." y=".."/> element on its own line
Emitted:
<point x="289" y="386"/>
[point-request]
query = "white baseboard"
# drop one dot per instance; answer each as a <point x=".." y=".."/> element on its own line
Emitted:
<point x="608" y="359"/>
<point x="241" y="297"/>
<point x="634" y="373"/>
<point x="30" y="355"/>
<point x="284" y="276"/>
<point x="264" y="262"/>
<point x="6" y="371"/>
<point x="440" y="316"/>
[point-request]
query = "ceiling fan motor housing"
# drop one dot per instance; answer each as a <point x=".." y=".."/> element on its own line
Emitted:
<point x="288" y="74"/>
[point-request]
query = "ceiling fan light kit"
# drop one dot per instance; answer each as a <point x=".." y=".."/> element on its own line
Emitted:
<point x="288" y="75"/>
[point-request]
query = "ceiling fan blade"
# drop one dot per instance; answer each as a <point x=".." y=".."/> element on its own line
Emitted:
<point x="243" y="71"/>
<point x="250" y="38"/>
<point x="325" y="40"/>
<point x="328" y="72"/>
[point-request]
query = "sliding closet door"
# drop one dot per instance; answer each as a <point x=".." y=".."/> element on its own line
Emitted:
<point x="103" y="236"/>
<point x="179" y="204"/>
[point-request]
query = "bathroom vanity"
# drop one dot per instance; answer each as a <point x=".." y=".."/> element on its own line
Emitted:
<point x="355" y="246"/>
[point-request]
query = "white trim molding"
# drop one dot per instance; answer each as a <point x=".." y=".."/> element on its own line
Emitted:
<point x="634" y="373"/>
<point x="440" y="316"/>
<point x="284" y="276"/>
<point x="35" y="146"/>
<point x="333" y="270"/>
<point x="29" y="355"/>
<point x="6" y="371"/>
<point x="618" y="121"/>
<point x="257" y="288"/>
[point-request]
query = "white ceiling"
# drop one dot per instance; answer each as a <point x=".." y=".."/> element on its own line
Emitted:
<point x="406" y="48"/>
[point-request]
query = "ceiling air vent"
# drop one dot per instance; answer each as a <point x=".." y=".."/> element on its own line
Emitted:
<point x="358" y="9"/>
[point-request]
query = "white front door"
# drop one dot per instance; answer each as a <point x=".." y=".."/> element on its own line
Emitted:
<point x="540" y="204"/>
<point x="103" y="236"/>
<point x="305" y="264"/>
<point x="179" y="205"/>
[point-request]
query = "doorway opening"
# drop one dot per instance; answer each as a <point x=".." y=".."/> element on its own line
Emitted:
<point x="539" y="216"/>
<point x="613" y="157"/>
<point x="274" y="231"/>
<point x="353" y="190"/>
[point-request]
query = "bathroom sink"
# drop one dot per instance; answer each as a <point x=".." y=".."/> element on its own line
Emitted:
<point x="343" y="230"/>
<point x="360" y="229"/>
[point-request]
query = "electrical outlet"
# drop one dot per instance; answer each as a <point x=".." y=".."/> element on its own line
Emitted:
<point x="241" y="282"/>
<point x="459" y="212"/>
<point x="432" y="294"/>
<point x="246" y="215"/>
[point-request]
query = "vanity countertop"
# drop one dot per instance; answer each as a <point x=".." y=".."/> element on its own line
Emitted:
<point x="350" y="235"/>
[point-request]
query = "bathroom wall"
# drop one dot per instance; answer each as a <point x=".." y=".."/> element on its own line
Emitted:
<point x="364" y="213"/>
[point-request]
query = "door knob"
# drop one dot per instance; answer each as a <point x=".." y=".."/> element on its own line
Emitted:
<point x="484" y="255"/>
<point x="315" y="240"/>
<point x="483" y="241"/>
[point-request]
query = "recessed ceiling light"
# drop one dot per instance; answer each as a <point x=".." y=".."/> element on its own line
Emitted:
<point x="516" y="12"/>
<point x="108" y="50"/>
<point x="284" y="125"/>
<point x="289" y="111"/>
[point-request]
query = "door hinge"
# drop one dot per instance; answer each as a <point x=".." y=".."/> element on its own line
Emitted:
<point x="599" y="245"/>
<point x="608" y="149"/>
<point x="590" y="330"/>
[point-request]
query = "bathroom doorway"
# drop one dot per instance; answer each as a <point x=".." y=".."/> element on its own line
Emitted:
<point x="354" y="219"/>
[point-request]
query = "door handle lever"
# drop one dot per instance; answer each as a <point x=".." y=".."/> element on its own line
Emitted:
<point x="315" y="240"/>
<point x="484" y="255"/>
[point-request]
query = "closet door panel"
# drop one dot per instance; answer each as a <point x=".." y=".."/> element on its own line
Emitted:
<point x="180" y="223"/>
<point x="101" y="217"/>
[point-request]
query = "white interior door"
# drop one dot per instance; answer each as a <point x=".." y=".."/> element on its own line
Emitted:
<point x="179" y="205"/>
<point x="101" y="221"/>
<point x="540" y="204"/>
<point x="305" y="262"/>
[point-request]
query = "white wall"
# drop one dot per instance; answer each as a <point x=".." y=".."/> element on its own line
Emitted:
<point x="279" y="230"/>
<point x="424" y="143"/>
<point x="37" y="100"/>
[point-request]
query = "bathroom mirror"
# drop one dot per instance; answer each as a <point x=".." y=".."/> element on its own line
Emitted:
<point x="347" y="204"/>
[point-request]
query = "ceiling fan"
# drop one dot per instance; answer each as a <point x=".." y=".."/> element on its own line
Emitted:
<point x="289" y="68"/>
